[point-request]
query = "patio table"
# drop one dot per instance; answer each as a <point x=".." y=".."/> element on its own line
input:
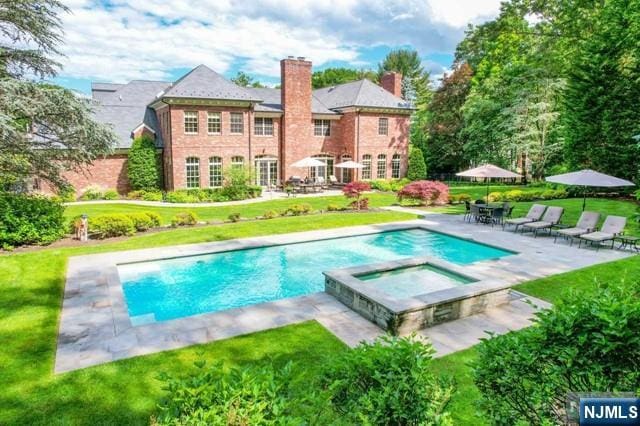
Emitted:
<point x="486" y="211"/>
<point x="628" y="241"/>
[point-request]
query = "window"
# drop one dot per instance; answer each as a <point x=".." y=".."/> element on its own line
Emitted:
<point x="366" y="169"/>
<point x="215" y="172"/>
<point x="395" y="166"/>
<point x="382" y="166"/>
<point x="214" y="124"/>
<point x="193" y="172"/>
<point x="383" y="126"/>
<point x="191" y="122"/>
<point x="237" y="161"/>
<point x="263" y="126"/>
<point x="322" y="128"/>
<point x="346" y="175"/>
<point x="237" y="124"/>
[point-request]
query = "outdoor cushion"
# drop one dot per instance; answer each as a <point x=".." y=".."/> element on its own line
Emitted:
<point x="538" y="225"/>
<point x="519" y="220"/>
<point x="588" y="221"/>
<point x="535" y="212"/>
<point x="598" y="236"/>
<point x="573" y="232"/>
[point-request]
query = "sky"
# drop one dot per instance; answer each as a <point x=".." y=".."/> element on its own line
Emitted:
<point x="122" y="40"/>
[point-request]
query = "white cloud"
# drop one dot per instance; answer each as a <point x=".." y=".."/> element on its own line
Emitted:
<point x="131" y="39"/>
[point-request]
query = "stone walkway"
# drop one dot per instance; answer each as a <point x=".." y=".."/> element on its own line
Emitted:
<point x="266" y="196"/>
<point x="95" y="327"/>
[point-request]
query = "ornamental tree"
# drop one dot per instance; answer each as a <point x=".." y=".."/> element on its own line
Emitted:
<point x="143" y="165"/>
<point x="417" y="169"/>
<point x="354" y="190"/>
<point x="427" y="192"/>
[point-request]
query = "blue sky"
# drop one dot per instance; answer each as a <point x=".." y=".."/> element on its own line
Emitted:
<point x="121" y="40"/>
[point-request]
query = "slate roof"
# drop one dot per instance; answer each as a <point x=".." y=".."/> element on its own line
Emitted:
<point x="125" y="107"/>
<point x="361" y="93"/>
<point x="204" y="83"/>
<point x="272" y="101"/>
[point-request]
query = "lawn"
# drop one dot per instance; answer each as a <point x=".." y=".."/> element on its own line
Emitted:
<point x="125" y="392"/>
<point x="252" y="210"/>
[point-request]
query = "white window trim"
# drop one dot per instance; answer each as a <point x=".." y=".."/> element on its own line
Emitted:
<point x="184" y="123"/>
<point x="322" y="125"/>
<point x="273" y="129"/>
<point x="386" y="120"/>
<point x="220" y="122"/>
<point x="231" y="123"/>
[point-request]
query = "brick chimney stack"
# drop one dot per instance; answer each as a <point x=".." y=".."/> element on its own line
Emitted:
<point x="392" y="82"/>
<point x="296" y="94"/>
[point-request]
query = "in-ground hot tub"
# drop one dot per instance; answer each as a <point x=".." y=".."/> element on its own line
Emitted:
<point x="411" y="294"/>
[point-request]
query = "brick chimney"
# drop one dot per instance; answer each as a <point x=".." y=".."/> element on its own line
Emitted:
<point x="392" y="82"/>
<point x="297" y="131"/>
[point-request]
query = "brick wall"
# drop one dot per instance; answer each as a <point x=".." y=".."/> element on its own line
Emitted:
<point x="107" y="173"/>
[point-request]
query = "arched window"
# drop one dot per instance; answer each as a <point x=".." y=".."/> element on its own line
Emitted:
<point x="193" y="172"/>
<point x="366" y="170"/>
<point x="215" y="172"/>
<point x="382" y="166"/>
<point x="237" y="161"/>
<point x="323" y="172"/>
<point x="395" y="166"/>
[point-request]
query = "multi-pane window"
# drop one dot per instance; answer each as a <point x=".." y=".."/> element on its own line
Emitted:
<point x="237" y="123"/>
<point x="322" y="128"/>
<point x="382" y="166"/>
<point x="193" y="172"/>
<point x="322" y="171"/>
<point x="366" y="166"/>
<point x="263" y="126"/>
<point x="215" y="172"/>
<point x="395" y="166"/>
<point x="383" y="126"/>
<point x="214" y="123"/>
<point x="191" y="122"/>
<point x="237" y="161"/>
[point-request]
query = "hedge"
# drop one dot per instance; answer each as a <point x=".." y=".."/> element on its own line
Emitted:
<point x="29" y="219"/>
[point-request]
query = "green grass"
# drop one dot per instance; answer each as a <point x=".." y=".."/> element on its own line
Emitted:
<point x="125" y="392"/>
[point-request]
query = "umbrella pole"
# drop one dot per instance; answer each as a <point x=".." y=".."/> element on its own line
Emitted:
<point x="584" y="199"/>
<point x="488" y="183"/>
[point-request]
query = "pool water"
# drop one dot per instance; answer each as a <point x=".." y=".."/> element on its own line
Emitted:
<point x="410" y="281"/>
<point x="176" y="288"/>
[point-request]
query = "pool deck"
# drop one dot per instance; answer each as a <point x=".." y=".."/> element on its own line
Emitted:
<point x="95" y="327"/>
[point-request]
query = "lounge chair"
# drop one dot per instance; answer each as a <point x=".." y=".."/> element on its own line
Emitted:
<point x="610" y="229"/>
<point x="535" y="213"/>
<point x="587" y="223"/>
<point x="551" y="217"/>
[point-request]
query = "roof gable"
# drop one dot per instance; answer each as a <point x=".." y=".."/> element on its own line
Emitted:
<point x="204" y="83"/>
<point x="361" y="93"/>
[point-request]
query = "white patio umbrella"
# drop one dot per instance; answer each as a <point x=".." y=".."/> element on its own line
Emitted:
<point x="308" y="163"/>
<point x="587" y="178"/>
<point x="488" y="171"/>
<point x="350" y="165"/>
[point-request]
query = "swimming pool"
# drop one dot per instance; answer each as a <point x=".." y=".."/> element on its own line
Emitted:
<point x="176" y="288"/>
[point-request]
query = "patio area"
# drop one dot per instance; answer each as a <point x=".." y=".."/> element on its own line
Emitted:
<point x="95" y="327"/>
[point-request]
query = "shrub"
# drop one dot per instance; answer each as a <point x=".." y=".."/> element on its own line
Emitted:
<point x="361" y="204"/>
<point x="388" y="185"/>
<point x="155" y="219"/>
<point x="417" y="169"/>
<point x="253" y="395"/>
<point x="270" y="214"/>
<point x="427" y="192"/>
<point x="67" y="194"/>
<point x="184" y="219"/>
<point x="460" y="198"/>
<point x="354" y="191"/>
<point x="111" y="194"/>
<point x="142" y="221"/>
<point x="497" y="196"/>
<point x="584" y="343"/>
<point x="390" y="382"/>
<point x="234" y="217"/>
<point x="30" y="219"/>
<point x="638" y="195"/>
<point x="111" y="225"/>
<point x="334" y="208"/>
<point x="143" y="164"/>
<point x="300" y="209"/>
<point x="92" y="192"/>
<point x="181" y="196"/>
<point x="152" y="196"/>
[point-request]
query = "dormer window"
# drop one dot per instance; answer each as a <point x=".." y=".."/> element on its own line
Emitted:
<point x="383" y="126"/>
<point x="322" y="128"/>
<point x="191" y="122"/>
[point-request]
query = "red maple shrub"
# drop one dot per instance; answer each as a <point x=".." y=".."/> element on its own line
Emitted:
<point x="427" y="192"/>
<point x="354" y="190"/>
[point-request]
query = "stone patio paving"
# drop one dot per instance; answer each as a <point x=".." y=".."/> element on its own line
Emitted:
<point x="95" y="327"/>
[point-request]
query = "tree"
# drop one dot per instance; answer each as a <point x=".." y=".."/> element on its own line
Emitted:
<point x="406" y="62"/>
<point x="44" y="129"/>
<point x="143" y="165"/>
<point x="245" y="80"/>
<point x="417" y="169"/>
<point x="334" y="76"/>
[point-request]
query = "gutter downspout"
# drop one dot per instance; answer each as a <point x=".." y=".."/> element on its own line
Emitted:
<point x="249" y="127"/>
<point x="357" y="141"/>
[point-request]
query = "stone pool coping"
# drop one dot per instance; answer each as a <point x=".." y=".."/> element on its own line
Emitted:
<point x="95" y="327"/>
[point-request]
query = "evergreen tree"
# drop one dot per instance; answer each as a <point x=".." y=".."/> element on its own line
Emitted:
<point x="417" y="169"/>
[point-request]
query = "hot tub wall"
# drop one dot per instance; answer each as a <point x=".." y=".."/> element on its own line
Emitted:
<point x="409" y="321"/>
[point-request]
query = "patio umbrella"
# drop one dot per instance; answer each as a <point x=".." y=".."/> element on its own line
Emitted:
<point x="587" y="178"/>
<point x="350" y="165"/>
<point x="488" y="171"/>
<point x="307" y="163"/>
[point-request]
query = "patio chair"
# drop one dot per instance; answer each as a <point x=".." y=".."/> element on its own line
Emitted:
<point x="551" y="218"/>
<point x="467" y="210"/>
<point x="480" y="202"/>
<point x="497" y="216"/>
<point x="508" y="209"/>
<point x="535" y="213"/>
<point x="587" y="223"/>
<point x="320" y="181"/>
<point x="475" y="212"/>
<point x="612" y="227"/>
